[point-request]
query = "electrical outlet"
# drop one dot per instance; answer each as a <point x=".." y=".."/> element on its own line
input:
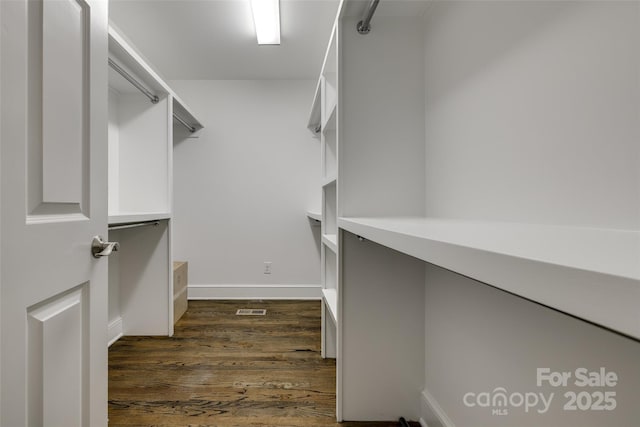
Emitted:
<point x="267" y="267"/>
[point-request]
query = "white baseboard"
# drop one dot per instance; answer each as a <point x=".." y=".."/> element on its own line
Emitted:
<point x="431" y="413"/>
<point x="115" y="330"/>
<point x="299" y="292"/>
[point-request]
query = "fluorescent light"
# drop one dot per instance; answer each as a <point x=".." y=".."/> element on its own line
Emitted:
<point x="266" y="19"/>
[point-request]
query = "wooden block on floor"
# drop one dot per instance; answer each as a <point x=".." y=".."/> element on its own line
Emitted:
<point x="180" y="282"/>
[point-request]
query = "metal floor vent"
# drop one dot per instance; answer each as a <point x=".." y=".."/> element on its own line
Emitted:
<point x="251" y="312"/>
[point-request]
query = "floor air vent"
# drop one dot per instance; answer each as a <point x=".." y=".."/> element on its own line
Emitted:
<point x="251" y="312"/>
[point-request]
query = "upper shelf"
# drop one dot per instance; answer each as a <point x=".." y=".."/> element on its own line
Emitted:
<point x="126" y="56"/>
<point x="590" y="273"/>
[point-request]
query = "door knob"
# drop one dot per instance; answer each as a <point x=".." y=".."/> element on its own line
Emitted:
<point x="100" y="248"/>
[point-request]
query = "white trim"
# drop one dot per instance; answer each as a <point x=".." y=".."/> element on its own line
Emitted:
<point x="430" y="408"/>
<point x="115" y="331"/>
<point x="299" y="292"/>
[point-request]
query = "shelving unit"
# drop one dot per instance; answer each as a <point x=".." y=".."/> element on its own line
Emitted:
<point x="455" y="182"/>
<point x="323" y="122"/>
<point x="145" y="119"/>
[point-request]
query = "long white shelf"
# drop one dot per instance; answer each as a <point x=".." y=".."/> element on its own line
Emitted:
<point x="593" y="274"/>
<point x="137" y="217"/>
<point x="330" y="241"/>
<point x="330" y="297"/>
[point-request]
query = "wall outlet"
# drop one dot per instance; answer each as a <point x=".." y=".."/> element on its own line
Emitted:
<point x="267" y="267"/>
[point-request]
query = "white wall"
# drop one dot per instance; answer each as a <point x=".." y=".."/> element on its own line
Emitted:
<point x="531" y="116"/>
<point x="242" y="188"/>
<point x="479" y="338"/>
<point x="532" y="112"/>
<point x="382" y="119"/>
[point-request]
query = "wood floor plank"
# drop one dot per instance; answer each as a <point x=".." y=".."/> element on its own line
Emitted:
<point x="224" y="370"/>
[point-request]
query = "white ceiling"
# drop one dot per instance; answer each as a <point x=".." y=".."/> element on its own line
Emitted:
<point x="214" y="39"/>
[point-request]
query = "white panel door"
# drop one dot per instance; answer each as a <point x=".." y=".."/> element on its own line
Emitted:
<point x="53" y="174"/>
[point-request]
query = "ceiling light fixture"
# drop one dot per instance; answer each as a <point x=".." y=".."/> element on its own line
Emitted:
<point x="266" y="19"/>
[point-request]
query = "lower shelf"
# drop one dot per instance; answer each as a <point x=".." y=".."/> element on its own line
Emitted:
<point x="330" y="297"/>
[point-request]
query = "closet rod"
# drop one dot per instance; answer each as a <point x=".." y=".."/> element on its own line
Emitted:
<point x="133" y="225"/>
<point x="364" y="26"/>
<point x="184" y="123"/>
<point x="152" y="97"/>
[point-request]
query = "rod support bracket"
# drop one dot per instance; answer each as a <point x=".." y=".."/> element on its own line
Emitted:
<point x="362" y="29"/>
<point x="364" y="26"/>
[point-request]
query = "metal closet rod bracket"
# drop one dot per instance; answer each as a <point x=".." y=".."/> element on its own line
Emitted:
<point x="364" y="26"/>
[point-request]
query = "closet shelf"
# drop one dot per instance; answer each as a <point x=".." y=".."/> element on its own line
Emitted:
<point x="590" y="273"/>
<point x="330" y="123"/>
<point x="330" y="297"/>
<point x="125" y="218"/>
<point x="330" y="241"/>
<point x="317" y="216"/>
<point x="330" y="180"/>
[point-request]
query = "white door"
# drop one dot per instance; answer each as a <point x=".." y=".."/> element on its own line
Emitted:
<point x="53" y="293"/>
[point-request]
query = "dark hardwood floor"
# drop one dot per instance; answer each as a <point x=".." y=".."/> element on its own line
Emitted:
<point x="224" y="370"/>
